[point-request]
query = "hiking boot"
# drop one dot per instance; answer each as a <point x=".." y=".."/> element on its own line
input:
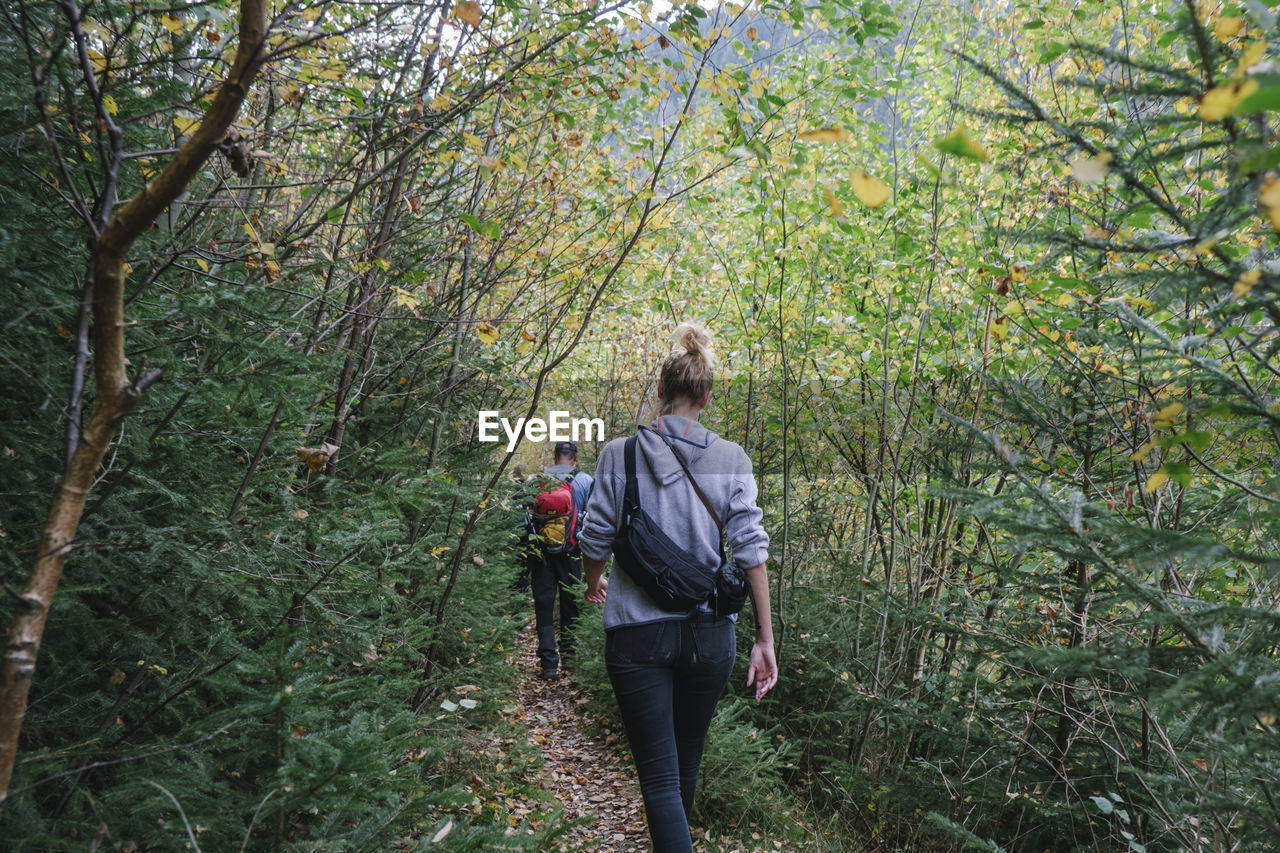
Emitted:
<point x="548" y="674"/>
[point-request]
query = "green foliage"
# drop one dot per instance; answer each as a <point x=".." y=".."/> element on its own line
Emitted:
<point x="742" y="774"/>
<point x="1014" y="427"/>
<point x="1012" y="440"/>
<point x="266" y="690"/>
<point x="248" y="650"/>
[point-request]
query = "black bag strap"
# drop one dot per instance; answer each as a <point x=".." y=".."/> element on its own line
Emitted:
<point x="568" y="481"/>
<point x="692" y="481"/>
<point x="631" y="495"/>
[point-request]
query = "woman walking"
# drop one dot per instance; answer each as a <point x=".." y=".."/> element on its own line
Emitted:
<point x="667" y="668"/>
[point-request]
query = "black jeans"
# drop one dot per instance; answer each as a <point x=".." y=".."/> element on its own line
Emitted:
<point x="554" y="575"/>
<point x="668" y="677"/>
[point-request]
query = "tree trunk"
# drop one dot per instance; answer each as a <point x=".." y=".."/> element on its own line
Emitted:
<point x="115" y="392"/>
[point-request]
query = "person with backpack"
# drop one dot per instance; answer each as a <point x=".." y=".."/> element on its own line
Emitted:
<point x="551" y="553"/>
<point x="668" y="501"/>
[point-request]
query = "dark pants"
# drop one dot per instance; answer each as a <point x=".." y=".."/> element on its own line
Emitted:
<point x="668" y="677"/>
<point x="554" y="575"/>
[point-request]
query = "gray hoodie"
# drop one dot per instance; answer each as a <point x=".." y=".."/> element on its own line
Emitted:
<point x="724" y="473"/>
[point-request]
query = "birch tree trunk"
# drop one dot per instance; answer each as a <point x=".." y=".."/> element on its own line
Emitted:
<point x="115" y="392"/>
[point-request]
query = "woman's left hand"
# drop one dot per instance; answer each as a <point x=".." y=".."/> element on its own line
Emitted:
<point x="597" y="590"/>
<point x="597" y="583"/>
<point x="763" y="670"/>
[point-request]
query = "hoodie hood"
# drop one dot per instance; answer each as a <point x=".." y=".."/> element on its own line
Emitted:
<point x="690" y="438"/>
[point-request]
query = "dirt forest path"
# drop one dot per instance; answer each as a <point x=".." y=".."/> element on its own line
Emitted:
<point x="591" y="776"/>
<point x="588" y="775"/>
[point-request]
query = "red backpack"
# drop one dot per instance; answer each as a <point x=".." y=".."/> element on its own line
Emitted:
<point x="555" y="524"/>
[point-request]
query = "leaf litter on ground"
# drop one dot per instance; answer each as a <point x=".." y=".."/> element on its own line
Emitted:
<point x="591" y="776"/>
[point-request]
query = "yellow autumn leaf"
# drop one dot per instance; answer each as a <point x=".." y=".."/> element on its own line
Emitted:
<point x="100" y="62"/>
<point x="487" y="334"/>
<point x="999" y="331"/>
<point x="334" y="69"/>
<point x="1269" y="198"/>
<point x="109" y="104"/>
<point x="834" y="207"/>
<point x="172" y="24"/>
<point x="468" y="12"/>
<point x="1252" y="56"/>
<point x="404" y="298"/>
<point x="871" y="191"/>
<point x="316" y="457"/>
<point x="1218" y="102"/>
<point x="185" y="124"/>
<point x="824" y="135"/>
<point x="1245" y="282"/>
<point x="1145" y="450"/>
<point x="1090" y="170"/>
<point x="1166" y="416"/>
<point x="1156" y="480"/>
<point x="472" y="141"/>
<point x="524" y="333"/>
<point x="1228" y="28"/>
<point x="1206" y="245"/>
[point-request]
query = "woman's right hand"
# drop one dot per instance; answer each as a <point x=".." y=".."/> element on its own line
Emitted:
<point x="763" y="671"/>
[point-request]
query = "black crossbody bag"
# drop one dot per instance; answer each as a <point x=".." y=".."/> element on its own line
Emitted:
<point x="664" y="569"/>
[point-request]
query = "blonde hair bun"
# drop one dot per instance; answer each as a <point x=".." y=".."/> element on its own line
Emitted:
<point x="695" y="338"/>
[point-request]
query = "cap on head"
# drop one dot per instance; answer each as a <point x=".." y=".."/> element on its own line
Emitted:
<point x="566" y="447"/>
